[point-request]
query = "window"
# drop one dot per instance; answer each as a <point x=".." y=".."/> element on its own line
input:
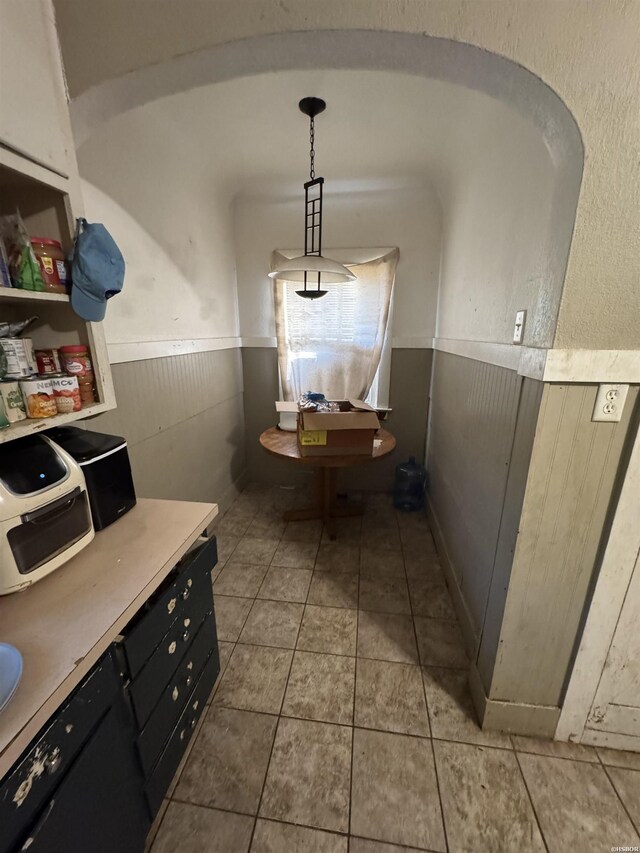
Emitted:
<point x="338" y="345"/>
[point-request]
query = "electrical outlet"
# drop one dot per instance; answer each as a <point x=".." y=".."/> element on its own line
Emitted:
<point x="518" y="330"/>
<point x="610" y="403"/>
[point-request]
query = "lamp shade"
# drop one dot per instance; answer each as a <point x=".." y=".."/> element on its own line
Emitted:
<point x="331" y="272"/>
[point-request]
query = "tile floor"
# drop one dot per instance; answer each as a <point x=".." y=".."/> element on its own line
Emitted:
<point x="342" y="722"/>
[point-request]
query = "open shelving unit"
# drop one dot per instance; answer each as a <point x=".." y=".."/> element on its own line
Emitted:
<point x="48" y="206"/>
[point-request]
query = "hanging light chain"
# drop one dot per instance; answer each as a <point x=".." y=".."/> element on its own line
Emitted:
<point x="312" y="150"/>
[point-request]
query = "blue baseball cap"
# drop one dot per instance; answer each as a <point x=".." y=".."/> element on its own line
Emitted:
<point x="97" y="271"/>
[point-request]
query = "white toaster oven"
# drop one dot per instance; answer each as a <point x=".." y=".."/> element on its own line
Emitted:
<point x="44" y="511"/>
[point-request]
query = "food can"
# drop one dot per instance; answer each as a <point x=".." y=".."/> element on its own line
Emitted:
<point x="37" y="393"/>
<point x="4" y="420"/>
<point x="48" y="361"/>
<point x="66" y="392"/>
<point x="20" y="360"/>
<point x="13" y="403"/>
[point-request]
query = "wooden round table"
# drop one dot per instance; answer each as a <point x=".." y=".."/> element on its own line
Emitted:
<point x="285" y="445"/>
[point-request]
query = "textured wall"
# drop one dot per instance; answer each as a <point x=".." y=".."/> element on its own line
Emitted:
<point x="183" y="420"/>
<point x="410" y="371"/>
<point x="586" y="52"/>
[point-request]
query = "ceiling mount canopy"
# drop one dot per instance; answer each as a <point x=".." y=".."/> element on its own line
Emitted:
<point x="312" y="268"/>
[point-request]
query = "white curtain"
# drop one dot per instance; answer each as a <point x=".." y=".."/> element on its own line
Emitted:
<point x="333" y="344"/>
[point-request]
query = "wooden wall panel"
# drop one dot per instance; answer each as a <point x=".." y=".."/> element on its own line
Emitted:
<point x="474" y="407"/>
<point x="183" y="419"/>
<point x="573" y="470"/>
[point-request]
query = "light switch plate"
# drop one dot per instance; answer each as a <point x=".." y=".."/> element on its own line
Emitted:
<point x="518" y="329"/>
<point x="610" y="402"/>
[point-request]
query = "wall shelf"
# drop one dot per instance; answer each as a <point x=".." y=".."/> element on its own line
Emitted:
<point x="14" y="294"/>
<point x="32" y="425"/>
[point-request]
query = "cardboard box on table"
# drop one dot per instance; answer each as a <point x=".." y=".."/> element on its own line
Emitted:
<point x="350" y="431"/>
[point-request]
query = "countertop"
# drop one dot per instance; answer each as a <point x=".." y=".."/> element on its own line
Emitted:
<point x="64" y="623"/>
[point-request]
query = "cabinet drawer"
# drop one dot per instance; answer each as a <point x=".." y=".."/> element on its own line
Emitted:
<point x="44" y="764"/>
<point x="167" y="765"/>
<point x="172" y="702"/>
<point x="145" y="690"/>
<point x="99" y="805"/>
<point x="166" y="605"/>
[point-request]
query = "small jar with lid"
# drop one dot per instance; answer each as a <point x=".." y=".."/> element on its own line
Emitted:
<point x="52" y="263"/>
<point x="76" y="361"/>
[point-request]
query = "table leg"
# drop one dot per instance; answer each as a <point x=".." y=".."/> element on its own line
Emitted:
<point x="326" y="506"/>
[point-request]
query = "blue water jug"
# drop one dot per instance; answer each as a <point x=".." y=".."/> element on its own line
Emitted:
<point x="408" y="491"/>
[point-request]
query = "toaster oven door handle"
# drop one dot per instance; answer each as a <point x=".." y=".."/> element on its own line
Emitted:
<point x="45" y="513"/>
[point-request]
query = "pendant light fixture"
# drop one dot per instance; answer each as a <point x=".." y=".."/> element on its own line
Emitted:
<point x="312" y="268"/>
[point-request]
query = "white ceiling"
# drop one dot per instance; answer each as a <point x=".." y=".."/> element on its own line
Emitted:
<point x="247" y="136"/>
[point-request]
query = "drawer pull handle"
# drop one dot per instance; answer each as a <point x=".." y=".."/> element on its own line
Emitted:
<point x="185" y="594"/>
<point x="53" y="762"/>
<point x="189" y="681"/>
<point x="186" y="636"/>
<point x="193" y="723"/>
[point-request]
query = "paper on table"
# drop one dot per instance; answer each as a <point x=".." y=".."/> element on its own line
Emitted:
<point x="376" y="443"/>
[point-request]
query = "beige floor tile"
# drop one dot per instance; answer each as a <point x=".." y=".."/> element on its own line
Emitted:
<point x="303" y="531"/>
<point x="417" y="540"/>
<point x="255" y="679"/>
<point x="286" y="584"/>
<point x="394" y="795"/>
<point x="295" y="555"/>
<point x="328" y="629"/>
<point x="627" y="784"/>
<point x="321" y="688"/>
<point x="226" y="545"/>
<point x="430" y="597"/>
<point x="333" y="589"/>
<point x="336" y="557"/>
<point x="386" y="636"/>
<point x="273" y="623"/>
<point x="576" y="804"/>
<point x="384" y="595"/>
<point x="619" y="758"/>
<point x="274" y="837"/>
<point x="240" y="579"/>
<point x="485" y="802"/>
<point x="216" y="571"/>
<point x="440" y="643"/>
<point x="228" y="762"/>
<point x="362" y="845"/>
<point x="347" y="531"/>
<point x="193" y="829"/>
<point x="234" y="526"/>
<point x="231" y="613"/>
<point x="420" y="564"/>
<point x="375" y="562"/>
<point x="380" y="538"/>
<point x="555" y="748"/>
<point x="309" y="775"/>
<point x="255" y="550"/>
<point x="390" y="696"/>
<point x="451" y="710"/>
<point x="413" y="521"/>
<point x="267" y="525"/>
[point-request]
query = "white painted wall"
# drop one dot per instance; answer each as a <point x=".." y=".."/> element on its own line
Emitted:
<point x="173" y="227"/>
<point x="408" y="217"/>
<point x="507" y="231"/>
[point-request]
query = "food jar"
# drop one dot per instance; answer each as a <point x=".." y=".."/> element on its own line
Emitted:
<point x="77" y="362"/>
<point x="39" y="401"/>
<point x="66" y="391"/>
<point x="13" y="402"/>
<point x="52" y="263"/>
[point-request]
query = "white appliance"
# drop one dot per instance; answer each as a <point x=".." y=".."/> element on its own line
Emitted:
<point x="44" y="511"/>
